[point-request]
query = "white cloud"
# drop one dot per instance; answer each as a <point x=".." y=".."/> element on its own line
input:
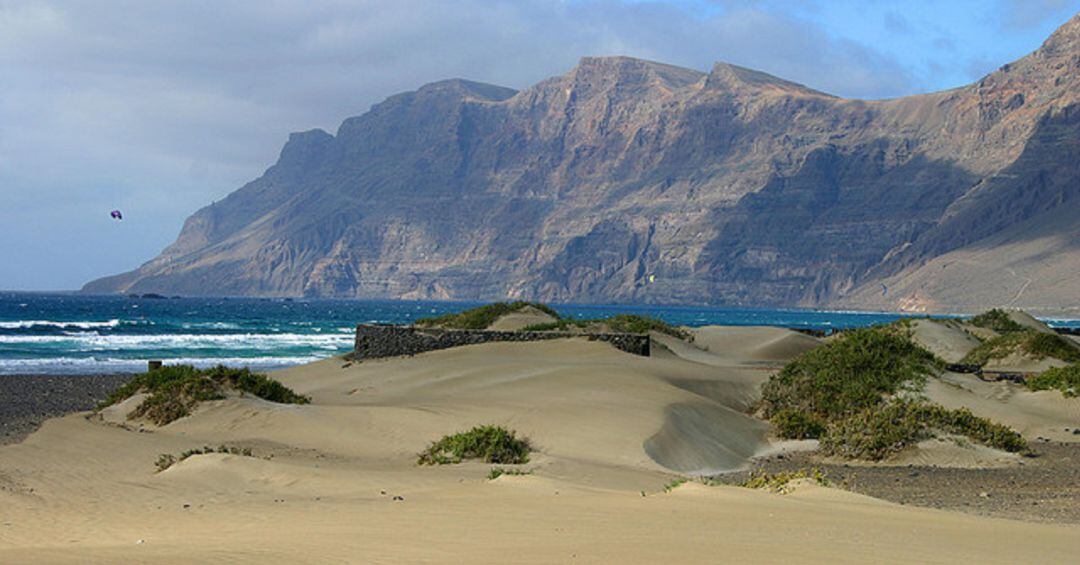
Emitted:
<point x="160" y="107"/>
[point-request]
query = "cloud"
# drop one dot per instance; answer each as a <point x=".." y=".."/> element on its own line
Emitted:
<point x="161" y="107"/>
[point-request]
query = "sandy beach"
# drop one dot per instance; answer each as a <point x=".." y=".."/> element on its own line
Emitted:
<point x="337" y="480"/>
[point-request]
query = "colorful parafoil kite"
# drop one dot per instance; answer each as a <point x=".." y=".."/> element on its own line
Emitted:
<point x="116" y="215"/>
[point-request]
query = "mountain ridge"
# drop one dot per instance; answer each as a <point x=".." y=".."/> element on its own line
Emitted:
<point x="632" y="180"/>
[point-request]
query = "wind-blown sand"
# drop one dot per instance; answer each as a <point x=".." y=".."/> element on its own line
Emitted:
<point x="520" y="319"/>
<point x="948" y="343"/>
<point x="611" y="429"/>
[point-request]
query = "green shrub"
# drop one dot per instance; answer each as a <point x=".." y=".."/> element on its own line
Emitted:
<point x="482" y="317"/>
<point x="635" y="324"/>
<point x="1065" y="379"/>
<point x="854" y="395"/>
<point x="875" y="433"/>
<point x="175" y="390"/>
<point x="492" y="444"/>
<point x="792" y="424"/>
<point x="255" y="383"/>
<point x="778" y="482"/>
<point x="847" y="375"/>
<point x="497" y="472"/>
<point x="166" y="460"/>
<point x="962" y="422"/>
<point x="619" y="323"/>
<point x="1042" y="345"/>
<point x="1038" y="345"/>
<point x="176" y="399"/>
<point x="997" y="320"/>
<point x="561" y="325"/>
<point x="675" y="483"/>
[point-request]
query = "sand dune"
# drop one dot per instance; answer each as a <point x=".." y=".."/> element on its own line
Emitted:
<point x="527" y="316"/>
<point x="742" y="344"/>
<point x="948" y="343"/>
<point x="1047" y="414"/>
<point x="611" y="430"/>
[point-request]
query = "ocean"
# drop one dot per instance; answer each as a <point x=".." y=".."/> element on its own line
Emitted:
<point x="75" y="334"/>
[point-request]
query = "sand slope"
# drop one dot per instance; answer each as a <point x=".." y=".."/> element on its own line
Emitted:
<point x="741" y="344"/>
<point x="610" y="428"/>
<point x="948" y="343"/>
<point x="527" y="316"/>
<point x="1046" y="414"/>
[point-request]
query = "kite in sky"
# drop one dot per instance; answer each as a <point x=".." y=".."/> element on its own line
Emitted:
<point x="116" y="215"/>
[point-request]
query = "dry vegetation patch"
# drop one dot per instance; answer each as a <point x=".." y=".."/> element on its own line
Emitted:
<point x="482" y="317"/>
<point x="491" y="444"/>
<point x="860" y="395"/>
<point x="175" y="390"/>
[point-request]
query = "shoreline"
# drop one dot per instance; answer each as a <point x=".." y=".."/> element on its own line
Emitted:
<point x="29" y="400"/>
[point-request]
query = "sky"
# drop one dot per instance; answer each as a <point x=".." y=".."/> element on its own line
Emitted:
<point x="160" y="108"/>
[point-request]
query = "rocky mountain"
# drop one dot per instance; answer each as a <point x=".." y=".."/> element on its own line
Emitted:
<point x="632" y="181"/>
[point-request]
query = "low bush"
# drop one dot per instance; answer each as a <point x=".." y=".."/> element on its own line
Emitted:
<point x="175" y="390"/>
<point x="875" y="433"/>
<point x="675" y="483"/>
<point x="1038" y="345"/>
<point x="854" y="372"/>
<point x="860" y="396"/>
<point x="1065" y="379"/>
<point x="635" y="324"/>
<point x="1043" y="345"/>
<point x="561" y="325"/>
<point x="619" y="323"/>
<point x="497" y="472"/>
<point x="492" y="444"/>
<point x="792" y="424"/>
<point x="482" y="317"/>
<point x="997" y="320"/>
<point x="166" y="460"/>
<point x="778" y="482"/>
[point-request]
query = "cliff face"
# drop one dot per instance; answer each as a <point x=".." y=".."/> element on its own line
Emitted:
<point x="626" y="180"/>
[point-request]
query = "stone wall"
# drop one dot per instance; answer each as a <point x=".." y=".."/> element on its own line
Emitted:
<point x="385" y="340"/>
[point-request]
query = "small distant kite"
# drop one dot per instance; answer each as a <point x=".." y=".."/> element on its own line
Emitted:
<point x="116" y="215"/>
<point x="884" y="289"/>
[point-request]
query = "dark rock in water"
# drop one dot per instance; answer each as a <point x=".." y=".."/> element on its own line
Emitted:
<point x="153" y="296"/>
<point x="632" y="181"/>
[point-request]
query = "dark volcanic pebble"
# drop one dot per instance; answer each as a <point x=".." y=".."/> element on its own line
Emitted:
<point x="26" y="401"/>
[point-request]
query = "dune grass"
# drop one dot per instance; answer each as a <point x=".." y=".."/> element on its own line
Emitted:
<point x="166" y="460"/>
<point x="491" y="444"/>
<point x="845" y="376"/>
<point x="175" y="390"/>
<point x="877" y="432"/>
<point x="860" y="396"/>
<point x="997" y="320"/>
<point x="619" y="323"/>
<point x="482" y="317"/>
<point x="1037" y="345"/>
<point x="778" y="482"/>
<point x="1065" y="379"/>
<point x="497" y="472"/>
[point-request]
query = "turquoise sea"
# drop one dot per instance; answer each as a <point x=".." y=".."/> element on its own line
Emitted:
<point x="74" y="334"/>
